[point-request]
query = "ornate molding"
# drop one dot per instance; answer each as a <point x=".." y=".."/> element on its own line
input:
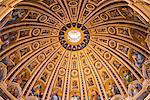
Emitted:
<point x="6" y="6"/>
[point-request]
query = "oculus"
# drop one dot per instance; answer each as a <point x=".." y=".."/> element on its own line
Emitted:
<point x="74" y="36"/>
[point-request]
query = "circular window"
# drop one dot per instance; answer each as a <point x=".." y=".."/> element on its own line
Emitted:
<point x="74" y="36"/>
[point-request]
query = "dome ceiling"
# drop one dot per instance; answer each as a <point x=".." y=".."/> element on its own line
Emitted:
<point x="83" y="49"/>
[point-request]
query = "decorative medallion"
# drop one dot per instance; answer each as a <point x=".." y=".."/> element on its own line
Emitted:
<point x="62" y="71"/>
<point x="50" y="66"/>
<point x="98" y="65"/>
<point x="35" y="45"/>
<point x="41" y="57"/>
<point x="74" y="36"/>
<point x="87" y="71"/>
<point x="74" y="73"/>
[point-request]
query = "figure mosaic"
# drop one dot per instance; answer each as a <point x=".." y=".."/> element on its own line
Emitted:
<point x="3" y="71"/>
<point x="22" y="78"/>
<point x="37" y="90"/>
<point x="133" y="89"/>
<point x="55" y="96"/>
<point x="75" y="97"/>
<point x="116" y="64"/>
<point x="138" y="58"/>
<point x="113" y="90"/>
<point x="7" y="61"/>
<point x="104" y="75"/>
<point x="90" y="82"/>
<point x="44" y="77"/>
<point x="94" y="95"/>
<point x="75" y="84"/>
<point x="127" y="76"/>
<point x="14" y="89"/>
<point x="146" y="69"/>
<point x="59" y="82"/>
